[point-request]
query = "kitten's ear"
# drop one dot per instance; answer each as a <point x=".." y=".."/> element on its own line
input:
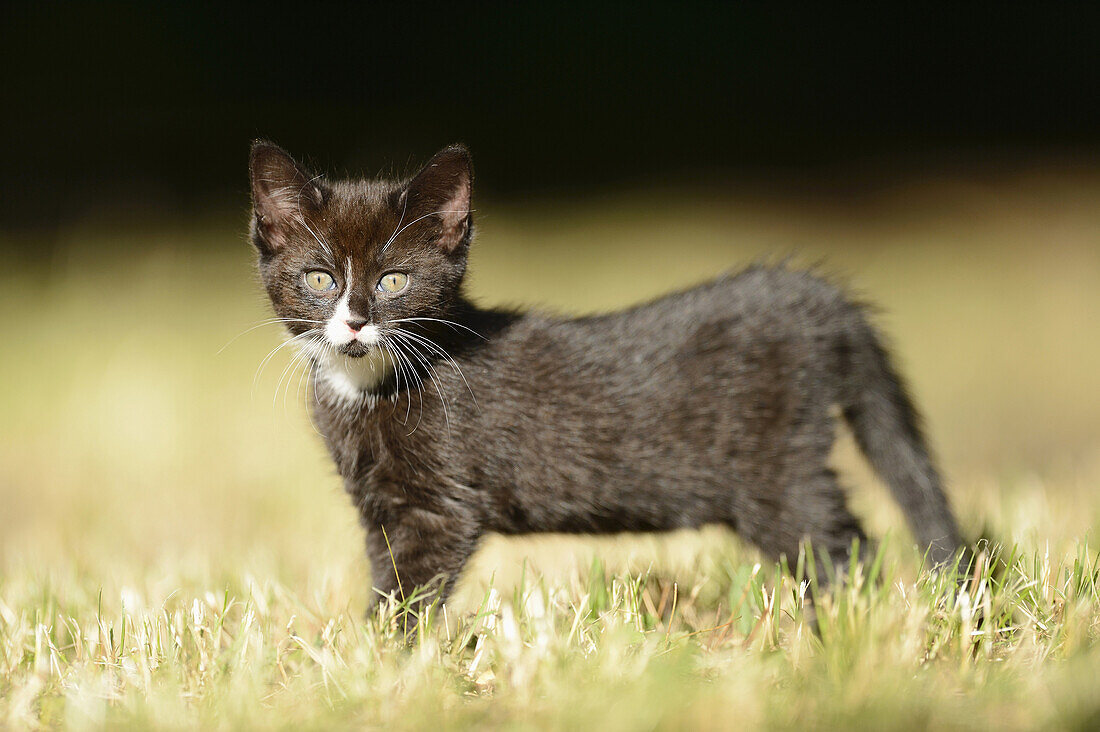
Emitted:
<point x="282" y="193"/>
<point x="441" y="191"/>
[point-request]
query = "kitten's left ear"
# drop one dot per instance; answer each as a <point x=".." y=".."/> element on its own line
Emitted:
<point x="441" y="192"/>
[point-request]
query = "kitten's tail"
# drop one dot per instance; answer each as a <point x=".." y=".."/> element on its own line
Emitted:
<point x="887" y="428"/>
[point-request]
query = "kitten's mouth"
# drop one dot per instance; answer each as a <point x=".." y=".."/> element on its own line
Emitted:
<point x="355" y="349"/>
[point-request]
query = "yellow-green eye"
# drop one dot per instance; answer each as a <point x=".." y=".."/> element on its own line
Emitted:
<point x="320" y="281"/>
<point x="393" y="282"/>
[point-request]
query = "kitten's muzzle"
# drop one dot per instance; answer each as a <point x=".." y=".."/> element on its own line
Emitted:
<point x="354" y="349"/>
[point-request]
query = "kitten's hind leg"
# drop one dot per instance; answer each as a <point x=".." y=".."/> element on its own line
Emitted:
<point x="811" y="510"/>
<point x="811" y="515"/>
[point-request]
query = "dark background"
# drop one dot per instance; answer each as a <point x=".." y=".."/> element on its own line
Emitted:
<point x="152" y="106"/>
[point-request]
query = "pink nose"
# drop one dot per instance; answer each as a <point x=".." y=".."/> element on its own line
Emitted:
<point x="355" y="325"/>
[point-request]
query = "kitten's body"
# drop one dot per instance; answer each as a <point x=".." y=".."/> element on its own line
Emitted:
<point x="714" y="405"/>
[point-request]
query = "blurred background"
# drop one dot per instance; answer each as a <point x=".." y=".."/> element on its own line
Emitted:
<point x="943" y="166"/>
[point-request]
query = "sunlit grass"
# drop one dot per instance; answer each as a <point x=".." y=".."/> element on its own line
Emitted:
<point x="728" y="645"/>
<point x="175" y="547"/>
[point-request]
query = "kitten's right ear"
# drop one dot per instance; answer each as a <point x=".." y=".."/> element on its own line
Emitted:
<point x="283" y="192"/>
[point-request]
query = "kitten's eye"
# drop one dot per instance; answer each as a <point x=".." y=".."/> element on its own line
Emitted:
<point x="393" y="282"/>
<point x="320" y="281"/>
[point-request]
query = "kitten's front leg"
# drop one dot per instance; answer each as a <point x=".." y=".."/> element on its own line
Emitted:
<point x="417" y="554"/>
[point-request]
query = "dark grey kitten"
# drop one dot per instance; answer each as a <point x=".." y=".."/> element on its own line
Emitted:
<point x="447" y="421"/>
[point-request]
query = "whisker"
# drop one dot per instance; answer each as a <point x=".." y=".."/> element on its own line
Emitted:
<point x="273" y="351"/>
<point x="311" y="382"/>
<point x="411" y="377"/>
<point x="288" y="370"/>
<point x="435" y="375"/>
<point x="261" y="324"/>
<point x="298" y="389"/>
<point x="419" y="218"/>
<point x="409" y="374"/>
<point x="404" y="208"/>
<point x="451" y="323"/>
<point x="324" y="244"/>
<point x="271" y="354"/>
<point x="432" y="346"/>
<point x="420" y="381"/>
<point x="309" y="360"/>
<point x="386" y="348"/>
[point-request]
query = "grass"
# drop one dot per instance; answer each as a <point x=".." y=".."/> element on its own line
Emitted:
<point x="176" y="551"/>
<point x="592" y="649"/>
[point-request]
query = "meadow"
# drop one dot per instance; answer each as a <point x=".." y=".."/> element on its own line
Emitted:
<point x="176" y="551"/>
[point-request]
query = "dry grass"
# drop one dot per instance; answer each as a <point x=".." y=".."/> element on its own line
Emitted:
<point x="176" y="550"/>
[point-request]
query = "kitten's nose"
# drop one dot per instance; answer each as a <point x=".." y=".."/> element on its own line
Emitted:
<point x="355" y="324"/>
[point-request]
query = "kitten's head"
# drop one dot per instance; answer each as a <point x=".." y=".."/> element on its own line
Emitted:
<point x="344" y="261"/>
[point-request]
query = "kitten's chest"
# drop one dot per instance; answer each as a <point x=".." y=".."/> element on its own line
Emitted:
<point x="386" y="453"/>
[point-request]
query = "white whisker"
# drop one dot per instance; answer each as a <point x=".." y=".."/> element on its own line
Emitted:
<point x="261" y="324"/>
<point x="272" y="352"/>
<point x="324" y="244"/>
<point x="434" y="374"/>
<point x="311" y="382"/>
<point x="396" y="229"/>
<point x="439" y="351"/>
<point x="450" y="323"/>
<point x="419" y="218"/>
<point x="411" y="375"/>
<point x="387" y="350"/>
<point x="413" y="380"/>
<point x="304" y="353"/>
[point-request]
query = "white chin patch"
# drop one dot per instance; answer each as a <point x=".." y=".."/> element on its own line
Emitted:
<point x="354" y="378"/>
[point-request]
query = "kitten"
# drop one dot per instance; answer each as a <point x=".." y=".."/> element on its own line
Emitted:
<point x="447" y="421"/>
